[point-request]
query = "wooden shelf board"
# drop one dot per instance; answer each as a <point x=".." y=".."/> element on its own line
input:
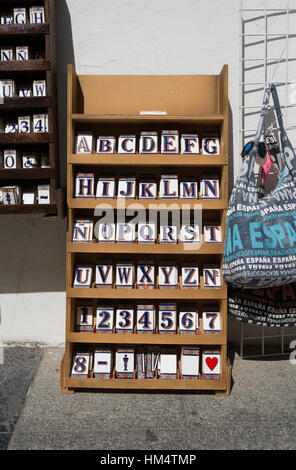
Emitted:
<point x="133" y="338"/>
<point x="27" y="173"/>
<point x="28" y="209"/>
<point x="166" y="294"/>
<point x="205" y="204"/>
<point x="143" y="248"/>
<point x="148" y="160"/>
<point x="91" y="118"/>
<point x="20" y="29"/>
<point x="148" y="384"/>
<point x="27" y="138"/>
<point x="24" y="65"/>
<point x="25" y="103"/>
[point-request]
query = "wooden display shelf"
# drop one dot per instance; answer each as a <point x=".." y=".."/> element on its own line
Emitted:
<point x="165" y="294"/>
<point x="28" y="209"/>
<point x="16" y="103"/>
<point x="24" y="65"/>
<point x="145" y="160"/>
<point x="28" y="29"/>
<point x="109" y="105"/>
<point x="156" y="339"/>
<point x="27" y="138"/>
<point x="144" y="248"/>
<point x="210" y="204"/>
<point x="40" y="38"/>
<point x="27" y="173"/>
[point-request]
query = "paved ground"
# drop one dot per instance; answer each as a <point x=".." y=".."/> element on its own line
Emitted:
<point x="16" y="373"/>
<point x="259" y="414"/>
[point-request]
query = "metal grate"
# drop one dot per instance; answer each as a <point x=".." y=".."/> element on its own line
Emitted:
<point x="260" y="65"/>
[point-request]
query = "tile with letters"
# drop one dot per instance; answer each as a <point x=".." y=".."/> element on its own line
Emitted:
<point x="37" y="14"/>
<point x="106" y="144"/>
<point x="84" y="142"/>
<point x="169" y="142"/>
<point x="210" y="146"/>
<point x="209" y="189"/>
<point x="22" y="53"/>
<point x="19" y="15"/>
<point x="125" y="232"/>
<point x="212" y="278"/>
<point x="188" y="189"/>
<point x="103" y="366"/>
<point x="190" y="233"/>
<point x="7" y="88"/>
<point x="188" y="321"/>
<point x="125" y="275"/>
<point x="126" y="144"/>
<point x="84" y="185"/>
<point x="81" y="366"/>
<point x="39" y="88"/>
<point x="212" y="234"/>
<point x="190" y="277"/>
<point x="104" y="319"/>
<point x="145" y="274"/>
<point x="104" y="274"/>
<point x="168" y="277"/>
<point x="167" y="318"/>
<point x="168" y="234"/>
<point x="148" y="143"/>
<point x="147" y="189"/>
<point x="106" y="232"/>
<point x="211" y="322"/>
<point x="146" y="232"/>
<point x="189" y="144"/>
<point x="83" y="231"/>
<point x="145" y="322"/>
<point x="84" y="317"/>
<point x="126" y="187"/>
<point x="168" y="187"/>
<point x="124" y="322"/>
<point x="6" y="53"/>
<point x="105" y="187"/>
<point x="83" y="276"/>
<point x="211" y="367"/>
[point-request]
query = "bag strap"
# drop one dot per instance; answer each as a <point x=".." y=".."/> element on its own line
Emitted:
<point x="287" y="148"/>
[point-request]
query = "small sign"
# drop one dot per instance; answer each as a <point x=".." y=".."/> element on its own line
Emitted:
<point x="37" y="15"/>
<point x="167" y="318"/>
<point x="24" y="124"/>
<point x="22" y="53"/>
<point x="104" y="274"/>
<point x="19" y="16"/>
<point x="125" y="363"/>
<point x="125" y="232"/>
<point x="84" y="318"/>
<point x="124" y="319"/>
<point x="106" y="232"/>
<point x="189" y="233"/>
<point x="105" y="188"/>
<point x="211" y="322"/>
<point x="209" y="189"/>
<point x="126" y="144"/>
<point x="168" y="187"/>
<point x="103" y="363"/>
<point x="212" y="278"/>
<point x="146" y="232"/>
<point x="190" y="363"/>
<point x="168" y="234"/>
<point x="81" y="365"/>
<point x="148" y="143"/>
<point x="167" y="277"/>
<point x="43" y="191"/>
<point x="82" y="231"/>
<point x="104" y="319"/>
<point x="40" y="123"/>
<point x="188" y="190"/>
<point x="190" y="277"/>
<point x="106" y="144"/>
<point x="210" y="146"/>
<point x="84" y="142"/>
<point x="125" y="275"/>
<point x="189" y="144"/>
<point x="39" y="88"/>
<point x="83" y="276"/>
<point x="212" y="234"/>
<point x="168" y="365"/>
<point x="211" y="369"/>
<point x="188" y="321"/>
<point x="145" y="275"/>
<point x="169" y="142"/>
<point x="145" y="319"/>
<point x="126" y="187"/>
<point x="84" y="187"/>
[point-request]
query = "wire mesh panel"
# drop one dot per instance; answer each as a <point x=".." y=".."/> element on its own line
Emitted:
<point x="268" y="54"/>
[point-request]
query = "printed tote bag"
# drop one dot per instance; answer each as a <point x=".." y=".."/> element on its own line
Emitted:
<point x="260" y="237"/>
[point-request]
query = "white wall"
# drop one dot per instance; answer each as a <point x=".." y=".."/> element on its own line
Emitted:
<point x="109" y="37"/>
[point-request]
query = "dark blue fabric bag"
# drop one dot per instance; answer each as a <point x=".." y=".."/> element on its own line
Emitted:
<point x="260" y="235"/>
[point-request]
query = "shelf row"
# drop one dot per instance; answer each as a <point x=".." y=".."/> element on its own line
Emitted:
<point x="146" y="363"/>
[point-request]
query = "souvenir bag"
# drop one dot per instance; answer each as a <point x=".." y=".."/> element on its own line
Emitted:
<point x="260" y="236"/>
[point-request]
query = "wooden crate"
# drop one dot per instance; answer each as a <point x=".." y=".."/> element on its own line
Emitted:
<point x="110" y="105"/>
<point x="25" y="71"/>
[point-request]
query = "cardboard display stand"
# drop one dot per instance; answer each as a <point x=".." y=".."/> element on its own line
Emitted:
<point x="188" y="142"/>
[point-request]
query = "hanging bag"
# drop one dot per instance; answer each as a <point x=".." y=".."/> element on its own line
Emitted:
<point x="260" y="236"/>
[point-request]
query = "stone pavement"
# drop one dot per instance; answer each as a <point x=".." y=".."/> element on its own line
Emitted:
<point x="259" y="413"/>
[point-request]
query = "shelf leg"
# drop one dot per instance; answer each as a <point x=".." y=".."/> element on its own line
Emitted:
<point x="63" y="388"/>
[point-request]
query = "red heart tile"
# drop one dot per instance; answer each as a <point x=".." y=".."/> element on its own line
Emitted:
<point x="211" y="362"/>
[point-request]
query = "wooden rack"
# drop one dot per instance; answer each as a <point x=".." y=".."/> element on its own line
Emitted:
<point x="37" y="35"/>
<point x="110" y="105"/>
